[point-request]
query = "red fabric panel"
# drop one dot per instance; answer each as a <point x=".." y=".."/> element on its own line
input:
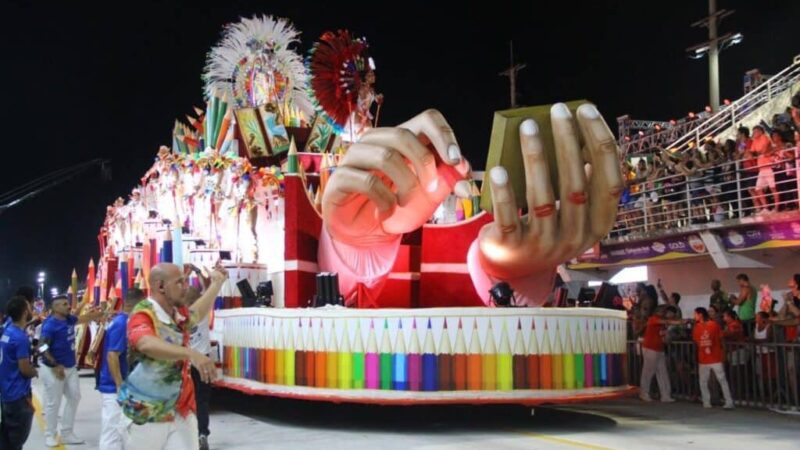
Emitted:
<point x="400" y="294"/>
<point x="302" y="224"/>
<point x="449" y="243"/>
<point x="447" y="289"/>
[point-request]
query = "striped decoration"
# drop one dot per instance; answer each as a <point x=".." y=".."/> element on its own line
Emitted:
<point x="436" y="349"/>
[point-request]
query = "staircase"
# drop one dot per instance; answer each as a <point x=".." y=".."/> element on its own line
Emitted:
<point x="761" y="103"/>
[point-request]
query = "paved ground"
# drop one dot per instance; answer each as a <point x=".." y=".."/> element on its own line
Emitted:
<point x="242" y="422"/>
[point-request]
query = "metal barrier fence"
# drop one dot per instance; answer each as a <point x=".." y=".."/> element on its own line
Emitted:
<point x="707" y="198"/>
<point x="761" y="375"/>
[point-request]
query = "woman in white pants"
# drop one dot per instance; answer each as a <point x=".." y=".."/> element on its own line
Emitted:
<point x="708" y="337"/>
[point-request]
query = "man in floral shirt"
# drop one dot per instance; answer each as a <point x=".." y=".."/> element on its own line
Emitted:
<point x="158" y="395"/>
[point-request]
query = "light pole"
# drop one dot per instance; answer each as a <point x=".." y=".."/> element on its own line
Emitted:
<point x="712" y="47"/>
<point x="41" y="280"/>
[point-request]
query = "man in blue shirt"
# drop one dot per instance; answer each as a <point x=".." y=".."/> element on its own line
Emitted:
<point x="60" y="376"/>
<point x="16" y="372"/>
<point x="113" y="370"/>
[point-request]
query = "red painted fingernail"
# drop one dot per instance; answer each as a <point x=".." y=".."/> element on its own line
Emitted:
<point x="577" y="198"/>
<point x="544" y="210"/>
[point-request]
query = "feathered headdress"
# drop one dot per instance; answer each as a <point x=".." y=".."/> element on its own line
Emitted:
<point x="254" y="64"/>
<point x="338" y="65"/>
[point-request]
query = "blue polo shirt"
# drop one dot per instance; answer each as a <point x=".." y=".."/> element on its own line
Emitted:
<point x="116" y="340"/>
<point x="60" y="334"/>
<point x="14" y="345"/>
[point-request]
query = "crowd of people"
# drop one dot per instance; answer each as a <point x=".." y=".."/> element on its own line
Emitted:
<point x="752" y="175"/>
<point x="153" y="367"/>
<point x="720" y="330"/>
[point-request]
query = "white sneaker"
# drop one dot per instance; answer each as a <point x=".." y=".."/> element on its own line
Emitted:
<point x="70" y="438"/>
<point x="645" y="398"/>
<point x="707" y="405"/>
<point x="51" y="442"/>
<point x="728" y="406"/>
<point x="668" y="400"/>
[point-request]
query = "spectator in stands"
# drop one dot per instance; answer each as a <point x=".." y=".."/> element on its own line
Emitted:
<point x="789" y="318"/>
<point x="719" y="298"/>
<point x="673" y="299"/>
<point x="733" y="331"/>
<point x="786" y="175"/>
<point x="789" y="314"/>
<point x="691" y="169"/>
<point x="716" y="316"/>
<point x="764" y="149"/>
<point x="646" y="302"/>
<point x="708" y="337"/>
<point x="654" y="184"/>
<point x="728" y="176"/>
<point x="654" y="362"/>
<point x="748" y="169"/>
<point x="746" y="301"/>
<point x="767" y="364"/>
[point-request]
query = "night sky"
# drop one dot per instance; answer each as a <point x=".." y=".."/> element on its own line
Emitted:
<point x="109" y="82"/>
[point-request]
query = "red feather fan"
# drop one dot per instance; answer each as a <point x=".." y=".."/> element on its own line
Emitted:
<point x="338" y="65"/>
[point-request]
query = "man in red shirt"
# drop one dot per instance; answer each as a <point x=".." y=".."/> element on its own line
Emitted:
<point x="708" y="337"/>
<point x="653" y="355"/>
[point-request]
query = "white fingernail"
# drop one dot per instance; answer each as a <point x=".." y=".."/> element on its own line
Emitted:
<point x="499" y="175"/>
<point x="463" y="189"/>
<point x="433" y="185"/>
<point x="454" y="153"/>
<point x="589" y="111"/>
<point x="560" y="111"/>
<point x="529" y="127"/>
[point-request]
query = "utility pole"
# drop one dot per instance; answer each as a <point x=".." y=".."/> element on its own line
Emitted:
<point x="511" y="73"/>
<point x="712" y="46"/>
<point x="713" y="57"/>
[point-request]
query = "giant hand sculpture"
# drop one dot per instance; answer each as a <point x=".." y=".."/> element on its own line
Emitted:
<point x="390" y="183"/>
<point x="525" y="251"/>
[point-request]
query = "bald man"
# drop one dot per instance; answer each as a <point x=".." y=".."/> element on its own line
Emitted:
<point x="158" y="395"/>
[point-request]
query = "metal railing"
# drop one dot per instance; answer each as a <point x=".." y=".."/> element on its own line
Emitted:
<point x="729" y="116"/>
<point x="762" y="375"/>
<point x="664" y="138"/>
<point x="704" y="199"/>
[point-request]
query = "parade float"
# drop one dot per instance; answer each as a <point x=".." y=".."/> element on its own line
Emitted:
<point x="313" y="311"/>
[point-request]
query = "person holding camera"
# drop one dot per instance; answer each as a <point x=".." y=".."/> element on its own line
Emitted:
<point x="16" y="371"/>
<point x="158" y="395"/>
<point x="60" y="374"/>
<point x="654" y="361"/>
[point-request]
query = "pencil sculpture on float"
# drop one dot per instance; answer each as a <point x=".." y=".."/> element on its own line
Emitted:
<point x="386" y="358"/>
<point x="372" y="360"/>
<point x="345" y="361"/>
<point x="474" y="357"/>
<point x="332" y="359"/>
<point x="414" y="360"/>
<point x="489" y="361"/>
<point x="460" y="360"/>
<point x="359" y="363"/>
<point x="400" y="361"/>
<point x="519" y="361"/>
<point x="505" y="362"/>
<point x="430" y="373"/>
<point x="445" y="361"/>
